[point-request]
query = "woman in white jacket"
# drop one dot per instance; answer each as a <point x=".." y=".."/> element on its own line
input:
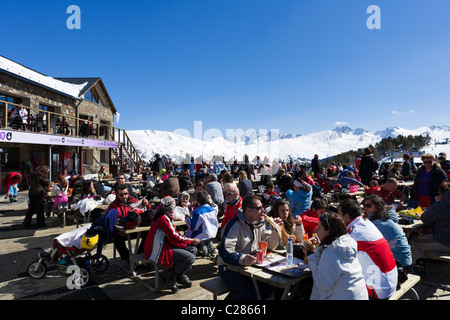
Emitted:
<point x="335" y="268"/>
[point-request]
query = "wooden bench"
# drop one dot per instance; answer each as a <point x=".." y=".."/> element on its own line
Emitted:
<point x="407" y="286"/>
<point x="436" y="255"/>
<point x="216" y="286"/>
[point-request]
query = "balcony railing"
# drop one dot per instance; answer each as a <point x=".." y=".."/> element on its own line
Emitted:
<point x="18" y="117"/>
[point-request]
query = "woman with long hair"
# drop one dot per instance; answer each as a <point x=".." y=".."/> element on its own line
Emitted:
<point x="59" y="191"/>
<point x="385" y="219"/>
<point x="281" y="213"/>
<point x="336" y="272"/>
<point x="39" y="184"/>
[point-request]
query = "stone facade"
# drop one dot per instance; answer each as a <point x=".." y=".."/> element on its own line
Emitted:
<point x="33" y="95"/>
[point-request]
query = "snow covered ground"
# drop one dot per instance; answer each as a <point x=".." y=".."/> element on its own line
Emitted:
<point x="325" y="143"/>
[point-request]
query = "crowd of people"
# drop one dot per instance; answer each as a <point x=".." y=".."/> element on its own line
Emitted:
<point x="360" y="245"/>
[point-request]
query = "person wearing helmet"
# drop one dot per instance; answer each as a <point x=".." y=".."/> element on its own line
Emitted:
<point x="76" y="239"/>
<point x="167" y="247"/>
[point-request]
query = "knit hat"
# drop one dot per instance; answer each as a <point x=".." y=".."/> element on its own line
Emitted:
<point x="168" y="204"/>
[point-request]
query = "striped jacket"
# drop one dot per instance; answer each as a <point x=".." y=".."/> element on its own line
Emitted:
<point x="203" y="224"/>
<point x="161" y="238"/>
<point x="375" y="257"/>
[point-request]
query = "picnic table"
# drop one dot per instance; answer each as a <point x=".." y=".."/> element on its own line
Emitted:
<point x="404" y="184"/>
<point x="139" y="258"/>
<point x="343" y="195"/>
<point x="274" y="279"/>
<point x="413" y="227"/>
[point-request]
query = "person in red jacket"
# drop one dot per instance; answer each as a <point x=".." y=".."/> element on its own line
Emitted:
<point x="165" y="246"/>
<point x="122" y="205"/>
<point x="234" y="203"/>
<point x="10" y="180"/>
<point x="123" y="201"/>
<point x="310" y="218"/>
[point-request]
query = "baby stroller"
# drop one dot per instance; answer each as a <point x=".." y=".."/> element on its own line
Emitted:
<point x="71" y="260"/>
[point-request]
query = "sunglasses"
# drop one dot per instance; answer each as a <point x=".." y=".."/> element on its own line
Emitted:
<point x="427" y="162"/>
<point x="257" y="208"/>
<point x="325" y="218"/>
<point x="123" y="194"/>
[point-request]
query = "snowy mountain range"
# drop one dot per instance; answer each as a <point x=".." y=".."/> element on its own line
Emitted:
<point x="273" y="146"/>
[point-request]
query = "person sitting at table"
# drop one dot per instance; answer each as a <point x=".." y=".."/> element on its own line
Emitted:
<point x="435" y="230"/>
<point x="427" y="181"/>
<point x="165" y="246"/>
<point x="323" y="181"/>
<point x="102" y="173"/>
<point x="386" y="220"/>
<point x="203" y="224"/>
<point x="234" y="203"/>
<point x="270" y="189"/>
<point x="120" y="179"/>
<point x="238" y="247"/>
<point x="244" y="184"/>
<point x="214" y="189"/>
<point x="374" y="254"/>
<point x="395" y="172"/>
<point x="122" y="204"/>
<point x="170" y="186"/>
<point x="74" y="178"/>
<point x="389" y="193"/>
<point x="336" y="271"/>
<point x="348" y="179"/>
<point x="282" y="215"/>
<point x="310" y="218"/>
<point x="305" y="176"/>
<point x="300" y="200"/>
<point x="374" y="186"/>
<point x="284" y="181"/>
<point x="182" y="211"/>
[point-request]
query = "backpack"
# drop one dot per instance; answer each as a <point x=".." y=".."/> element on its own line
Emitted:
<point x="317" y="191"/>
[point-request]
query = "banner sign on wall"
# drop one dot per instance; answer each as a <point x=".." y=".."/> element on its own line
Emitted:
<point x="38" y="138"/>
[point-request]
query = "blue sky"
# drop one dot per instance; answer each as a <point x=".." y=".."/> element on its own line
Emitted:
<point x="299" y="66"/>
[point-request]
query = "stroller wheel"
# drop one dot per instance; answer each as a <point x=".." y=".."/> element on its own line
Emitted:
<point x="37" y="269"/>
<point x="80" y="278"/>
<point x="100" y="264"/>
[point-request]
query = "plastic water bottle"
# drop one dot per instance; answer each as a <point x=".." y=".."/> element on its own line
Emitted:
<point x="289" y="252"/>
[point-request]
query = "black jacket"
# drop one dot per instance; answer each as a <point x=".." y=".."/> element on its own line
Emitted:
<point x="437" y="177"/>
<point x="367" y="167"/>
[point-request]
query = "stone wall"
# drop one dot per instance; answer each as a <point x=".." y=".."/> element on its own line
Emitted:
<point x="33" y="95"/>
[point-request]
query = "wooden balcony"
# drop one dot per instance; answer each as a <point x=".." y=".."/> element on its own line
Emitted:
<point x="21" y="118"/>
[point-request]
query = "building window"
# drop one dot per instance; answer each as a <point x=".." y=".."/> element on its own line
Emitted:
<point x="104" y="156"/>
<point x="92" y="95"/>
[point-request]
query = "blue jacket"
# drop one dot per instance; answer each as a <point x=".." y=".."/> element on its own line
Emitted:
<point x="396" y="238"/>
<point x="300" y="201"/>
<point x="203" y="224"/>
